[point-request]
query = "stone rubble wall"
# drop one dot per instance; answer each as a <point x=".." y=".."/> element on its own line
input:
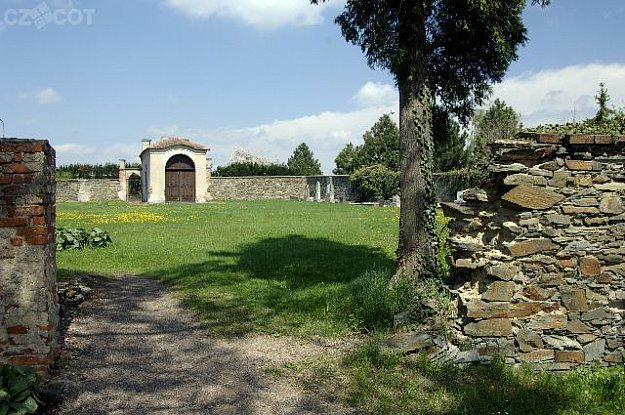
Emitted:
<point x="279" y="187"/>
<point x="538" y="254"/>
<point x="29" y="314"/>
<point x="87" y="190"/>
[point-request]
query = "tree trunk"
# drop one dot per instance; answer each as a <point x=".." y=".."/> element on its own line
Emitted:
<point x="418" y="240"/>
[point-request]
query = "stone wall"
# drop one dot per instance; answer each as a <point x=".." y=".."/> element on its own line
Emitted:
<point x="86" y="190"/>
<point x="29" y="315"/>
<point x="280" y="187"/>
<point x="539" y="254"/>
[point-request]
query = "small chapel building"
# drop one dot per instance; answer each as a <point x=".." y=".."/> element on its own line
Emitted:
<point x="174" y="169"/>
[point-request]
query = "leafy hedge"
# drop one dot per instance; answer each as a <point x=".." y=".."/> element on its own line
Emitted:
<point x="18" y="390"/>
<point x="243" y="169"/>
<point x="465" y="178"/>
<point x="88" y="171"/>
<point x="608" y="126"/>
<point x="80" y="238"/>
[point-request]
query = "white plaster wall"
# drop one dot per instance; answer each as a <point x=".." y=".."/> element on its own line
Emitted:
<point x="155" y="175"/>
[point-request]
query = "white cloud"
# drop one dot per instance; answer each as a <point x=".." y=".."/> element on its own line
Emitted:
<point x="73" y="149"/>
<point x="68" y="153"/>
<point x="42" y="96"/>
<point x="325" y="133"/>
<point x="375" y="94"/>
<point x="558" y="95"/>
<point x="47" y="96"/>
<point x="261" y="14"/>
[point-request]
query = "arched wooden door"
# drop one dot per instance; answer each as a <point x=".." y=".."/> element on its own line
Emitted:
<point x="180" y="179"/>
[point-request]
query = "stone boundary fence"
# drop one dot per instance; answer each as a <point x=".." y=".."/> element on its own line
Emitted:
<point x="234" y="188"/>
<point x="538" y="255"/>
<point x="29" y="314"/>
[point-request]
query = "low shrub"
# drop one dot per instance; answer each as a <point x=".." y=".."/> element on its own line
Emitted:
<point x="18" y="393"/>
<point x="375" y="182"/>
<point x="80" y="238"/>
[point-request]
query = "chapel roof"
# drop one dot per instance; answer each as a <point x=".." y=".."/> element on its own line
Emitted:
<point x="167" y="142"/>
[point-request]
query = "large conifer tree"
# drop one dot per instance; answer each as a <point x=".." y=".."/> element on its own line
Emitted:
<point x="444" y="50"/>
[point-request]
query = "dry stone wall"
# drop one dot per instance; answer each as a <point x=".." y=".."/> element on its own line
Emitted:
<point x="538" y="254"/>
<point x="29" y="315"/>
<point x="281" y="187"/>
<point x="86" y="190"/>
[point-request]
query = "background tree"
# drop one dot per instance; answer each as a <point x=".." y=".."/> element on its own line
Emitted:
<point x="448" y="51"/>
<point x="245" y="155"/>
<point x="602" y="99"/>
<point x="449" y="142"/>
<point x="303" y="162"/>
<point x="498" y="122"/>
<point x="381" y="144"/>
<point x="374" y="165"/>
<point x="347" y="159"/>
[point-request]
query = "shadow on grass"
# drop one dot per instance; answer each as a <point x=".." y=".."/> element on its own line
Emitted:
<point x="275" y="284"/>
<point x="404" y="386"/>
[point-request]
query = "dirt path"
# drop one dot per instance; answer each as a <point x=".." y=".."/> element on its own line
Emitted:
<point x="133" y="349"/>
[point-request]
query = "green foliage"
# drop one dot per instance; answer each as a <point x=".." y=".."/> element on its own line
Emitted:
<point x="80" y="238"/>
<point x="385" y="384"/>
<point x="614" y="125"/>
<point x="498" y="122"/>
<point x="244" y="168"/>
<point x="602" y="99"/>
<point x="243" y="266"/>
<point x="464" y="178"/>
<point x="375" y="182"/>
<point x="347" y="159"/>
<point x="133" y="165"/>
<point x="449" y="142"/>
<point x="303" y="162"/>
<point x="18" y="388"/>
<point x="88" y="171"/>
<point x="607" y="121"/>
<point x="381" y="147"/>
<point x="373" y="166"/>
<point x="469" y="44"/>
<point x="373" y="303"/>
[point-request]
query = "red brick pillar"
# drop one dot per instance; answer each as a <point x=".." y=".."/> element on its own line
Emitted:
<point x="29" y="312"/>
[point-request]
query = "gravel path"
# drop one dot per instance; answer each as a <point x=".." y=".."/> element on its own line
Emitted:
<point x="133" y="349"/>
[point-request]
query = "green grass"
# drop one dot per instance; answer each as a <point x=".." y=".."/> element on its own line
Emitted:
<point x="380" y="383"/>
<point x="277" y="266"/>
<point x="313" y="269"/>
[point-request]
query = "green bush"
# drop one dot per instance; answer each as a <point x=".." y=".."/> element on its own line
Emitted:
<point x="88" y="171"/>
<point x="375" y="182"/>
<point x="80" y="238"/>
<point x="250" y="168"/>
<point x="373" y="303"/>
<point x="465" y="178"/>
<point x="18" y="390"/>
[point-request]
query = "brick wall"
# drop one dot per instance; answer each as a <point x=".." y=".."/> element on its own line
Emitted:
<point x="28" y="300"/>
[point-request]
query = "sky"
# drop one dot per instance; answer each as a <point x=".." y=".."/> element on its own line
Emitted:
<point x="97" y="77"/>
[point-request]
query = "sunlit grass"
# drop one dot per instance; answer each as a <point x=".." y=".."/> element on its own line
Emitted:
<point x="274" y="266"/>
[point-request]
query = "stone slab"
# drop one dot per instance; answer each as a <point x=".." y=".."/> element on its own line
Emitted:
<point x="531" y="197"/>
<point x="499" y="291"/>
<point x="494" y="327"/>
<point x="579" y="165"/>
<point x="531" y="246"/>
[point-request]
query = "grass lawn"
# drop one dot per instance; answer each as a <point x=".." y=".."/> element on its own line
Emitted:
<point x="275" y="266"/>
<point x="303" y="269"/>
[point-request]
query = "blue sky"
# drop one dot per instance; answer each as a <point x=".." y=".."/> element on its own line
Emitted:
<point x="96" y="77"/>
